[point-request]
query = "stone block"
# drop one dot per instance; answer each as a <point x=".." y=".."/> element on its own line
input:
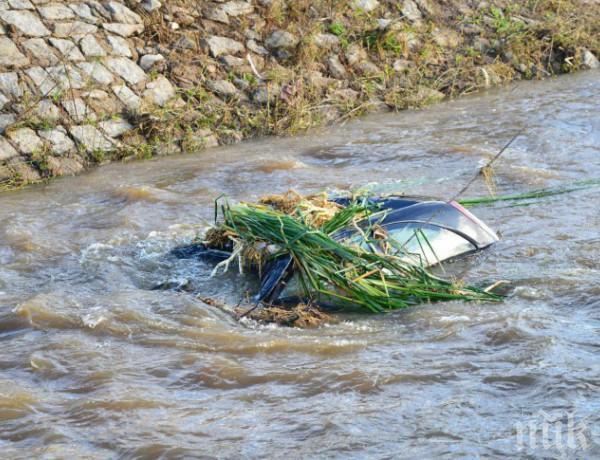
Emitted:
<point x="115" y="127"/>
<point x="96" y="72"/>
<point x="7" y="151"/>
<point x="281" y="39"/>
<point x="46" y="110"/>
<point x="25" y="22"/>
<point x="3" y="101"/>
<point x="9" y="85"/>
<point x="78" y="110"/>
<point x="90" y="47"/>
<point x="76" y="30"/>
<point x="223" y="45"/>
<point x="10" y="56"/>
<point x="26" y="140"/>
<point x="64" y="166"/>
<point x="68" y="49"/>
<point x="129" y="99"/>
<point x="147" y="61"/>
<point x="20" y="4"/>
<point x="151" y="5"/>
<point x="60" y="142"/>
<point x="56" y="12"/>
<point x="127" y="70"/>
<point x="67" y="76"/>
<point x="42" y="53"/>
<point x="120" y="46"/>
<point x="90" y="138"/>
<point x="222" y="88"/>
<point x="124" y="30"/>
<point x="6" y="119"/>
<point x="84" y="12"/>
<point x="43" y="81"/>
<point x="159" y="91"/>
<point x="120" y="13"/>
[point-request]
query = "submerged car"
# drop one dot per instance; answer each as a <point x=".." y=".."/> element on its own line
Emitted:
<point x="428" y="231"/>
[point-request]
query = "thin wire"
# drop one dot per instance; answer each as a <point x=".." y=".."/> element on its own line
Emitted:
<point x="472" y="180"/>
<point x="487" y="165"/>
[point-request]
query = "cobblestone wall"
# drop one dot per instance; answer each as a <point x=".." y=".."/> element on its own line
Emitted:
<point x="70" y="72"/>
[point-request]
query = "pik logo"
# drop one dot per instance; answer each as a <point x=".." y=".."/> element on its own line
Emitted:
<point x="557" y="431"/>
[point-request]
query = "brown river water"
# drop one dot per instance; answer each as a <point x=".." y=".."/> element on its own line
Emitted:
<point x="94" y="364"/>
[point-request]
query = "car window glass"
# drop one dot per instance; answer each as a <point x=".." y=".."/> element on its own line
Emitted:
<point x="428" y="244"/>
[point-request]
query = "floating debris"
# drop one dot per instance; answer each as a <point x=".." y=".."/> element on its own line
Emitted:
<point x="354" y="253"/>
<point x="302" y="315"/>
<point x="533" y="194"/>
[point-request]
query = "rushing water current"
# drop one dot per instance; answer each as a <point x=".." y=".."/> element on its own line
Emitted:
<point x="96" y="364"/>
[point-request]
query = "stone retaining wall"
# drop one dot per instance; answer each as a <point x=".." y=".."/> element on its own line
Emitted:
<point x="85" y="82"/>
<point x="70" y="72"/>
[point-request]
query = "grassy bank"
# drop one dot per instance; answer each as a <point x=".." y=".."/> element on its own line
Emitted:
<point x="348" y="61"/>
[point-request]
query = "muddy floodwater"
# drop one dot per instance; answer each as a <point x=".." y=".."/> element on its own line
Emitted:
<point x="95" y="364"/>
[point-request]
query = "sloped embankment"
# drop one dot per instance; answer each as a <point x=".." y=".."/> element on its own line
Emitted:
<point x="83" y="83"/>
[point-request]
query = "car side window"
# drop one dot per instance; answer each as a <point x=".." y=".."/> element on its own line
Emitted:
<point x="427" y="244"/>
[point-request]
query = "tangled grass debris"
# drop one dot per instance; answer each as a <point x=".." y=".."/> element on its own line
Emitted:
<point x="302" y="315"/>
<point x="369" y="270"/>
<point x="371" y="273"/>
